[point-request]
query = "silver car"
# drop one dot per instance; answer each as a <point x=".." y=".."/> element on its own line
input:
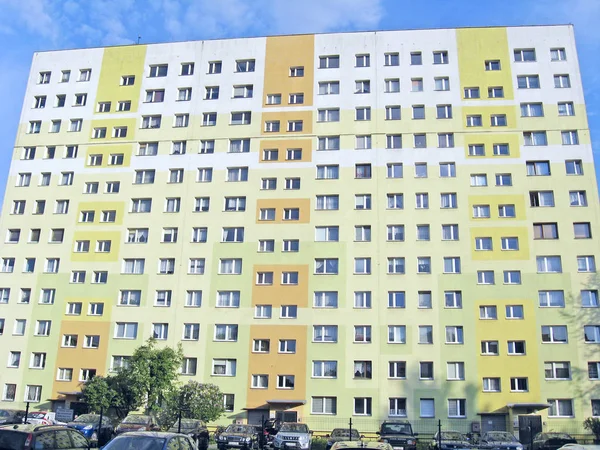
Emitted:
<point x="293" y="435"/>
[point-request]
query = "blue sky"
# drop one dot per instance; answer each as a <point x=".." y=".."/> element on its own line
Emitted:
<point x="27" y="26"/>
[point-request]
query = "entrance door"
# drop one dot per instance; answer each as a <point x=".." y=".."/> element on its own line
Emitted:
<point x="529" y="426"/>
<point x="257" y="416"/>
<point x="493" y="422"/>
<point x="287" y="416"/>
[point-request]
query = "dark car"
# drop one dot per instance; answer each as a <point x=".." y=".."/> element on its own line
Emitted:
<point x="499" y="440"/>
<point x="239" y="436"/>
<point x="341" y="434"/>
<point x="46" y="437"/>
<point x="399" y="434"/>
<point x="8" y="416"/>
<point x="552" y="441"/>
<point x="196" y="429"/>
<point x="270" y="429"/>
<point x="150" y="440"/>
<point x="450" y="440"/>
<point x="137" y="422"/>
<point x="88" y="425"/>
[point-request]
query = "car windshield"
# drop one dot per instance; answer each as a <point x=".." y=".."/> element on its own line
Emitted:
<point x="12" y="440"/>
<point x="87" y="418"/>
<point x="36" y="415"/>
<point x="294" y="427"/>
<point x="240" y="429"/>
<point x="4" y="413"/>
<point x="136" y="443"/>
<point x="185" y="423"/>
<point x="137" y="419"/>
<point x="452" y="436"/>
<point x="396" y="428"/>
<point x="344" y="433"/>
<point x="558" y="436"/>
<point x="500" y="436"/>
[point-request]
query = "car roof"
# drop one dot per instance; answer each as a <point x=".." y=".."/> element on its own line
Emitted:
<point x="31" y="428"/>
<point x="157" y="434"/>
<point x="362" y="444"/>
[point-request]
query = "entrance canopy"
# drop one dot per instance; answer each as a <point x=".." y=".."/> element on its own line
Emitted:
<point x="285" y="404"/>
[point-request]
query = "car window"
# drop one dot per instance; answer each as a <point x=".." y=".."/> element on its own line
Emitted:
<point x="12" y="440"/>
<point x="78" y="440"/>
<point x="44" y="441"/>
<point x="63" y="441"/>
<point x="185" y="444"/>
<point x="173" y="444"/>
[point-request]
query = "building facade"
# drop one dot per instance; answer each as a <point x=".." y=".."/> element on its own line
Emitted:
<point x="378" y="224"/>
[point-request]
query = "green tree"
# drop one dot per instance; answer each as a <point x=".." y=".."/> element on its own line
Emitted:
<point x="98" y="394"/>
<point x="196" y="400"/>
<point x="593" y="424"/>
<point x="153" y="371"/>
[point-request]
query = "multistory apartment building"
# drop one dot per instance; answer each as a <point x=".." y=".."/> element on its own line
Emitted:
<point x="384" y="224"/>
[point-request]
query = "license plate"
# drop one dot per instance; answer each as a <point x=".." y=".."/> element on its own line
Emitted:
<point x="234" y="443"/>
<point x="398" y="448"/>
<point x="290" y="444"/>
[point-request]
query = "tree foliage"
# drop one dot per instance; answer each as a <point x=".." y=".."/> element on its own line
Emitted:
<point x="593" y="424"/>
<point x="147" y="378"/>
<point x="196" y="400"/>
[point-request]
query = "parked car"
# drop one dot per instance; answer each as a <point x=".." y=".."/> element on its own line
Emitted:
<point x="41" y="418"/>
<point x="239" y="436"/>
<point x="196" y="429"/>
<point x="8" y="416"/>
<point x="450" y="440"/>
<point x="88" y="424"/>
<point x="150" y="440"/>
<point x="372" y="445"/>
<point x="551" y="440"/>
<point x="499" y="440"/>
<point x="46" y="437"/>
<point x="270" y="429"/>
<point x="137" y="422"/>
<point x="293" y="434"/>
<point x="399" y="434"/>
<point x="341" y="434"/>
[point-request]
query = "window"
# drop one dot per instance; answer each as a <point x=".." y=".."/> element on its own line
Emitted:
<point x="42" y="327"/>
<point x="425" y="334"/>
<point x="541" y="199"/>
<point x="418" y="112"/>
<point x="416" y="84"/>
<point x="448" y="201"/>
<point x="582" y="230"/>
<point x="528" y="81"/>
<point x="514" y="312"/>
<point x="296" y="99"/>
<point x="291" y="214"/>
<point x="594" y="370"/>
<point x="151" y="122"/>
<point x="556" y="334"/>
<point x="230" y="266"/>
<point x="569" y="137"/>
<point x="496" y="92"/>
<point x="241" y="118"/>
<point x="498" y="120"/>
<point x="293" y="125"/>
<point x="396" y="334"/>
<point x="535" y="138"/>
<point x="33" y="393"/>
<point x="362" y="266"/>
<point x="363" y="142"/>
<point x="491" y="385"/>
<point x="324" y="405"/>
<point x="457" y="407"/>
<point x="471" y="92"/>
<point x="52" y="265"/>
<point x="452" y="264"/>
<point x="442" y="84"/>
<point x="362" y="87"/>
<point x="562" y="81"/>
<point x="505" y="211"/>
<point x="488" y="313"/>
<point x="577" y="198"/>
<point x="189" y="366"/>
<point x="325" y="299"/>
<point x="489" y="348"/>
<point x="516" y="347"/>
<point x="560" y="408"/>
<point x="260" y="381"/>
<point x="228" y="299"/>
<point x="327" y="234"/>
<point x="133" y="266"/>
<point x="328" y="143"/>
<point x="196" y="266"/>
<point x="416" y="59"/>
<point x="326" y="266"/>
<point x="362" y="233"/>
<point x="509" y="243"/>
<point x="503" y="179"/>
<point x="392" y="85"/>
<point x="228" y="333"/>
<point x="591" y="334"/>
<point x="193" y="299"/>
<point x="362" y="406"/>
<point x="455" y="370"/>
<point x="363" y="60"/>
<point x="557" y="370"/>
<point x="55" y="128"/>
<point x="549" y="264"/>
<point x="474" y="121"/>
<point x="325" y="333"/>
<point x="586" y="264"/>
<point x="209" y="119"/>
<point x="395" y="233"/>
<point x="566" y="109"/>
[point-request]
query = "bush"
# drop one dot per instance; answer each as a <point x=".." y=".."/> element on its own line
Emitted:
<point x="593" y="424"/>
<point x="318" y="443"/>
